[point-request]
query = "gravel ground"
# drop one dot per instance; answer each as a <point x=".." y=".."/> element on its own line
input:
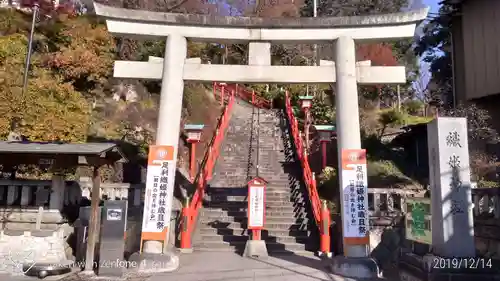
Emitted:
<point x="78" y="276"/>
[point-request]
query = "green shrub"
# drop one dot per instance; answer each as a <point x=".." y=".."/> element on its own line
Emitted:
<point x="383" y="168"/>
<point x="413" y="106"/>
<point x="391" y="117"/>
<point x="487" y="184"/>
<point x="385" y="173"/>
<point x="328" y="187"/>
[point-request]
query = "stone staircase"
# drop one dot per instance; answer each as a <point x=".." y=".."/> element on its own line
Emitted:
<point x="223" y="219"/>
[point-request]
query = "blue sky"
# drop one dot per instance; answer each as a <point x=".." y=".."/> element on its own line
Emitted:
<point x="433" y="4"/>
<point x="424" y="67"/>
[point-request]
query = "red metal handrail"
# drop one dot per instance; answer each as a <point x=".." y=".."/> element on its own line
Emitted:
<point x="309" y="178"/>
<point x="190" y="212"/>
<point x="243" y="93"/>
<point x="320" y="211"/>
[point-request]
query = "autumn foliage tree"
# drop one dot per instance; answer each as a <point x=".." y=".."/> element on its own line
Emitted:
<point x="49" y="110"/>
<point x="380" y="55"/>
<point x="82" y="53"/>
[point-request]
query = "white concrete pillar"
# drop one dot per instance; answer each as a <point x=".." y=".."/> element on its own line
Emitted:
<point x="25" y="195"/>
<point x="259" y="53"/>
<point x="172" y="91"/>
<point x="347" y="114"/>
<point x="57" y="192"/>
<point x="169" y="117"/>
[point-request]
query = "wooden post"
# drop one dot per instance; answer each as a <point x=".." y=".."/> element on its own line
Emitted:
<point x="94" y="220"/>
<point x="192" y="162"/>
<point x="39" y="218"/>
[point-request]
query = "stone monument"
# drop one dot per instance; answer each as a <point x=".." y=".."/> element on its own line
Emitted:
<point x="453" y="254"/>
<point x="449" y="178"/>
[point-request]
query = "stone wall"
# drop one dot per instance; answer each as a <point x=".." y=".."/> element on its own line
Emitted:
<point x="18" y="247"/>
<point x="387" y="240"/>
<point x="30" y="219"/>
<point x="487" y="237"/>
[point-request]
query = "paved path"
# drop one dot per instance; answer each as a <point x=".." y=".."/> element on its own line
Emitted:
<point x="226" y="266"/>
<point x="221" y="266"/>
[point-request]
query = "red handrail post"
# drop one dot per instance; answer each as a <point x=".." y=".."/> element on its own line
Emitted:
<point x="222" y="96"/>
<point x="325" y="231"/>
<point x="185" y="242"/>
<point x="256" y="234"/>
<point x="253" y="97"/>
<point x="192" y="162"/>
<point x="209" y="164"/>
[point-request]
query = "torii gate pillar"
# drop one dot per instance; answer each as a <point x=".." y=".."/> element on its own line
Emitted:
<point x="347" y="115"/>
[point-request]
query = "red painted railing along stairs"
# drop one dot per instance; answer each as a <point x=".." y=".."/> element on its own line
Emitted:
<point x="243" y="93"/>
<point x="190" y="210"/>
<point x="227" y="94"/>
<point x="227" y="98"/>
<point x="320" y="210"/>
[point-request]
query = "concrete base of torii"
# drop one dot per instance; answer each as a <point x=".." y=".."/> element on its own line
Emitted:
<point x="154" y="263"/>
<point x="154" y="259"/>
<point x="355" y="267"/>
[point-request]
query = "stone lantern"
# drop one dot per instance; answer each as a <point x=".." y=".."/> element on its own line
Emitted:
<point x="193" y="134"/>
<point x="306" y="102"/>
<point x="305" y="105"/>
<point x="325" y="135"/>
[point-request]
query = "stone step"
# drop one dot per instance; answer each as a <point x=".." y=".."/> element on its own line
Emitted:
<point x="223" y="182"/>
<point x="206" y="230"/>
<point x="244" y="204"/>
<point x="223" y="213"/>
<point x="271" y="247"/>
<point x="270" y="191"/>
<point x="244" y="238"/>
<point x="270" y="198"/>
<point x="302" y="253"/>
<point x="244" y="208"/>
<point x="269" y="220"/>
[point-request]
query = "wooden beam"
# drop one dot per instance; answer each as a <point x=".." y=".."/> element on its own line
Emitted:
<point x="94" y="220"/>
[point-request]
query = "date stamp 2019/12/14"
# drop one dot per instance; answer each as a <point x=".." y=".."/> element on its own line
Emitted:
<point x="461" y="263"/>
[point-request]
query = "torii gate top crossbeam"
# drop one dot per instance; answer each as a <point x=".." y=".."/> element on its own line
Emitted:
<point x="126" y="22"/>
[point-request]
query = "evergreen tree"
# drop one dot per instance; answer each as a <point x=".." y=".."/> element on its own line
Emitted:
<point x="434" y="47"/>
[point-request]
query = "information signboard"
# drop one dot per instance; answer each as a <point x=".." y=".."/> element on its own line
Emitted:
<point x="256" y="203"/>
<point x="418" y="220"/>
<point x="159" y="191"/>
<point x="355" y="215"/>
